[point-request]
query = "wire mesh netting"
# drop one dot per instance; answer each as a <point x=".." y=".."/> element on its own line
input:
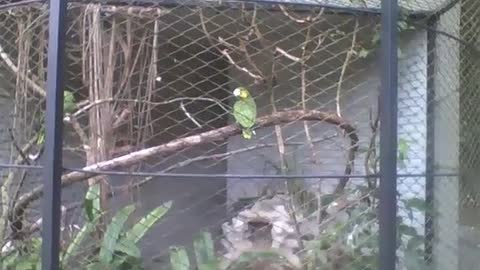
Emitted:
<point x="159" y="99"/>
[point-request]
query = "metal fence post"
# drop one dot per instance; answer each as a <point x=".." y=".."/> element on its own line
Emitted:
<point x="388" y="137"/>
<point x="53" y="143"/>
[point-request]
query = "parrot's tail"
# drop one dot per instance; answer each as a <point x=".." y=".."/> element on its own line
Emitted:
<point x="247" y="133"/>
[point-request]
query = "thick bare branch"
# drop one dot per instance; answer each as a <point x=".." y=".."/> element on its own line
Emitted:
<point x="219" y="134"/>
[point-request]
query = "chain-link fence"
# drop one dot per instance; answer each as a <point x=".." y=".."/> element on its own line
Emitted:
<point x="241" y="134"/>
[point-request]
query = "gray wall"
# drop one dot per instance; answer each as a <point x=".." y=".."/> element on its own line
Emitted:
<point x="446" y="189"/>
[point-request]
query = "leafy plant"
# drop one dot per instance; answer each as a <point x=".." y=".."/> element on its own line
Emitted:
<point x="367" y="49"/>
<point x="403" y="148"/>
<point x="358" y="238"/>
<point x="27" y="257"/>
<point x="118" y="249"/>
<point x="69" y="106"/>
<point x="204" y="252"/>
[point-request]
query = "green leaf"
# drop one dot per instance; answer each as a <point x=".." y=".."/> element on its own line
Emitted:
<point x="95" y="266"/>
<point x="92" y="202"/>
<point x="129" y="248"/>
<point x="141" y="227"/>
<point x="363" y="53"/>
<point x="414" y="243"/>
<point x="113" y="232"/>
<point x="25" y="265"/>
<point x="75" y="244"/>
<point x="402" y="25"/>
<point x="403" y="146"/>
<point x="399" y="53"/>
<point x="407" y="230"/>
<point x="416" y="203"/>
<point x="376" y="37"/>
<point x="179" y="259"/>
<point x="10" y="260"/>
<point x="328" y="199"/>
<point x="205" y="252"/>
<point x="41" y="136"/>
<point x="247" y="257"/>
<point x="69" y="104"/>
<point x="414" y="261"/>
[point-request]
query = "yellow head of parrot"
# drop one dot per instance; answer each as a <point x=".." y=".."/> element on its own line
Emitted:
<point x="241" y="92"/>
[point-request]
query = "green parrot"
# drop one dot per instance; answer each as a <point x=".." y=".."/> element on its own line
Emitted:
<point x="245" y="111"/>
<point x="69" y="106"/>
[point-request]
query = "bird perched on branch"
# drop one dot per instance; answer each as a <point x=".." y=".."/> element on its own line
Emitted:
<point x="245" y="111"/>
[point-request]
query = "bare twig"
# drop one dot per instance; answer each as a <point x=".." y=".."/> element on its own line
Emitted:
<point x="371" y="152"/>
<point x="287" y="55"/>
<point x="344" y="67"/>
<point x="80" y="132"/>
<point x="250" y="61"/>
<point x="20" y="151"/>
<point x="37" y="225"/>
<point x="278" y="129"/>
<point x="189" y="116"/>
<point x="350" y="156"/>
<point x="7" y="200"/>
<point x="230" y="59"/>
<point x="170" y="101"/>
<point x="308" y="19"/>
<point x="303" y="80"/>
<point x="226" y="53"/>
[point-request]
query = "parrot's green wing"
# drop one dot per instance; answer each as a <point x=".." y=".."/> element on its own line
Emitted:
<point x="245" y="112"/>
<point x="68" y="102"/>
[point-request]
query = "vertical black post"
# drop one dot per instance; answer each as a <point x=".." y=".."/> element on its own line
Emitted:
<point x="53" y="144"/>
<point x="430" y="160"/>
<point x="388" y="137"/>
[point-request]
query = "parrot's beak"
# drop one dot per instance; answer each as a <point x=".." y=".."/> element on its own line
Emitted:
<point x="240" y="92"/>
<point x="237" y="92"/>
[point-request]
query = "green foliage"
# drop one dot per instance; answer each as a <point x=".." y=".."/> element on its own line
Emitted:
<point x="140" y="229"/>
<point x="179" y="258"/>
<point x="118" y="248"/>
<point x="92" y="203"/>
<point x="41" y="136"/>
<point x="74" y="246"/>
<point x="359" y="237"/>
<point x="365" y="50"/>
<point x="69" y="104"/>
<point x="112" y="235"/>
<point x="26" y="257"/>
<point x="403" y="148"/>
<point x="204" y="251"/>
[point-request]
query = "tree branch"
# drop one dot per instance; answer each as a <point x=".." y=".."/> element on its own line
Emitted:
<point x="176" y="145"/>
